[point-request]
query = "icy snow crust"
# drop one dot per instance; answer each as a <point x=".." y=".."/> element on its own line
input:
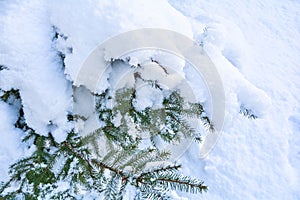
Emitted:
<point x="254" y="45"/>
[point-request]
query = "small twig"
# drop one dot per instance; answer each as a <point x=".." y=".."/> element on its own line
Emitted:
<point x="155" y="61"/>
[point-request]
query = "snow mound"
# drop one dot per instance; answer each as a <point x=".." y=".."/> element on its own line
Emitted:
<point x="34" y="67"/>
<point x="89" y="24"/>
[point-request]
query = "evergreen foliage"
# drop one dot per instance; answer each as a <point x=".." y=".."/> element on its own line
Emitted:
<point x="75" y="167"/>
<point x="173" y="116"/>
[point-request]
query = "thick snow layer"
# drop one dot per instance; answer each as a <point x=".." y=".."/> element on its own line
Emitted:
<point x="89" y="24"/>
<point x="34" y="66"/>
<point x="254" y="45"/>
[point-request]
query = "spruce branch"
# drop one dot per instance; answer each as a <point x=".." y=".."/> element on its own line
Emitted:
<point x="182" y="183"/>
<point x="78" y="162"/>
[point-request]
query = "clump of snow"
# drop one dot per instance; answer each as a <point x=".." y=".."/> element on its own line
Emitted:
<point x="147" y="96"/>
<point x="89" y="24"/>
<point x="11" y="147"/>
<point x="34" y="67"/>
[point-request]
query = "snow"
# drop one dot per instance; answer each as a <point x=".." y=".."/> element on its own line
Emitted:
<point x="11" y="148"/>
<point x="106" y="19"/>
<point x="34" y="67"/>
<point x="254" y="45"/>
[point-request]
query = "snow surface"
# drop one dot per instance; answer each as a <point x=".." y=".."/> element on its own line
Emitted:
<point x="254" y="45"/>
<point x="33" y="66"/>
